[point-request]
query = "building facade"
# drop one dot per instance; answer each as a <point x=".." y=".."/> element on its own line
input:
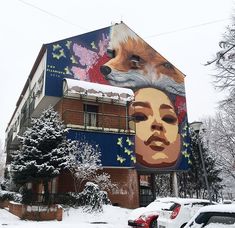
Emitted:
<point x="115" y="91"/>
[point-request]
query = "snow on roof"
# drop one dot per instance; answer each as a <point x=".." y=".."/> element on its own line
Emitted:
<point x="73" y="87"/>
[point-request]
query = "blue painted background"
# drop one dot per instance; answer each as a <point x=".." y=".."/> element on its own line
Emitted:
<point x="117" y="149"/>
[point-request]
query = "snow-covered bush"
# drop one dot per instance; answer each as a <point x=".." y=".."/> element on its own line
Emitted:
<point x="92" y="198"/>
<point x="6" y="195"/>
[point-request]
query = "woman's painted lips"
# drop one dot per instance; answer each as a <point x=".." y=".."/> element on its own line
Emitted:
<point x="156" y="143"/>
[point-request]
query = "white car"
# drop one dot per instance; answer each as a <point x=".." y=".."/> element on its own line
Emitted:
<point x="181" y="210"/>
<point x="214" y="216"/>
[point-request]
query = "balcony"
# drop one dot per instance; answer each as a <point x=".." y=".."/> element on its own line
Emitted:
<point x="97" y="121"/>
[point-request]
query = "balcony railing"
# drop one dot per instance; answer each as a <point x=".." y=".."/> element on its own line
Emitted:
<point x="97" y="121"/>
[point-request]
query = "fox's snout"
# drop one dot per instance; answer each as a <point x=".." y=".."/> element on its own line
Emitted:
<point x="105" y="70"/>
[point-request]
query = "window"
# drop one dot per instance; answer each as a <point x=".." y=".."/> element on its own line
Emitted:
<point x="222" y="218"/>
<point x="215" y="217"/>
<point x="90" y="115"/>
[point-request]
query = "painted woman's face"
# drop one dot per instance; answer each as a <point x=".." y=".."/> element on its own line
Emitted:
<point x="157" y="138"/>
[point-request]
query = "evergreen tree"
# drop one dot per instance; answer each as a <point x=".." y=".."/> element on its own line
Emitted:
<point x="43" y="153"/>
<point x="193" y="182"/>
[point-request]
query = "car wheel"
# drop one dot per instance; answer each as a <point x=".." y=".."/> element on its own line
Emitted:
<point x="153" y="224"/>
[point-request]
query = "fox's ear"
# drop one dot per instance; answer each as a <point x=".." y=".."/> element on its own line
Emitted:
<point x="111" y="53"/>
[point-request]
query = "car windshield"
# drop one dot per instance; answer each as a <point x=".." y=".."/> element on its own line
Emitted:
<point x="215" y="218"/>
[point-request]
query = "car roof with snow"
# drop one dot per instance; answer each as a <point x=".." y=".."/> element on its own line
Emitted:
<point x="180" y="200"/>
<point x="218" y="208"/>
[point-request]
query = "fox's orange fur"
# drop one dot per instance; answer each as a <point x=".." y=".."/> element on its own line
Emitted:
<point x="151" y="68"/>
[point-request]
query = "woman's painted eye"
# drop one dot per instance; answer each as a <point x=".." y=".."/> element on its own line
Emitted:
<point x="169" y="119"/>
<point x="137" y="117"/>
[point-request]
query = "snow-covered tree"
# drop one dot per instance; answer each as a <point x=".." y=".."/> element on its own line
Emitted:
<point x="220" y="138"/>
<point x="196" y="174"/>
<point x="43" y="153"/>
<point x="84" y="162"/>
<point x="103" y="180"/>
<point x="221" y="129"/>
<point x="192" y="182"/>
<point x="85" y="165"/>
<point x="163" y="185"/>
<point x="225" y="60"/>
<point x="2" y="162"/>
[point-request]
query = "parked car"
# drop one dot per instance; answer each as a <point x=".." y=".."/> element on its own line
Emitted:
<point x="213" y="216"/>
<point x="227" y="201"/>
<point x="146" y="220"/>
<point x="146" y="217"/>
<point x="180" y="211"/>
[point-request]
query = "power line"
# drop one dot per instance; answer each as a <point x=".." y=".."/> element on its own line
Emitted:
<point x="187" y="28"/>
<point x="53" y="15"/>
<point x="152" y="36"/>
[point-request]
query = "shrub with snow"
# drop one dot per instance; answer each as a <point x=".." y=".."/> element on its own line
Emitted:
<point x="92" y="198"/>
<point x="7" y="195"/>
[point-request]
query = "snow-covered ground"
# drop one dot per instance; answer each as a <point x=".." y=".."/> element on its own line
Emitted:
<point x="112" y="217"/>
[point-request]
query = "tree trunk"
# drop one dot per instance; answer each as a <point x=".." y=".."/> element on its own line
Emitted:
<point x="46" y="192"/>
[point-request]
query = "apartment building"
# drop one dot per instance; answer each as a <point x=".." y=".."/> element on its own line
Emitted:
<point x="94" y="81"/>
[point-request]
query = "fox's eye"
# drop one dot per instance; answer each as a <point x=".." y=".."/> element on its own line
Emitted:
<point x="135" y="58"/>
<point x="168" y="65"/>
<point x="111" y="53"/>
<point x="169" y="119"/>
<point x="138" y="116"/>
<point x="135" y="61"/>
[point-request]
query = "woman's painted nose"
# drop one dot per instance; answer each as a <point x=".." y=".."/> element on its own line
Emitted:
<point x="156" y="126"/>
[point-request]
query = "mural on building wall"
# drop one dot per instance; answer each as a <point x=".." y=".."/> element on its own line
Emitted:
<point x="78" y="57"/>
<point x="119" y="57"/>
<point x="117" y="150"/>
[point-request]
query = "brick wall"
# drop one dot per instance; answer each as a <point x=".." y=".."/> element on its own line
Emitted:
<point x="127" y="193"/>
<point x="36" y="213"/>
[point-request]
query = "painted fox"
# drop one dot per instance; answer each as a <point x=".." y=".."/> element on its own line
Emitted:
<point x="134" y="64"/>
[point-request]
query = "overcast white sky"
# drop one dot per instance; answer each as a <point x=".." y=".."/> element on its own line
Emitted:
<point x="186" y="32"/>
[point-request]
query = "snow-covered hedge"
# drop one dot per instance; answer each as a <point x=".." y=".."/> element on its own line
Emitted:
<point x="7" y="195"/>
